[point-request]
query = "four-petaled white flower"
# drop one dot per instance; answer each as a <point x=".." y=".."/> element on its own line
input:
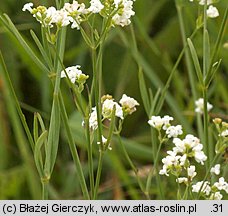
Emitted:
<point x="212" y="12"/>
<point x="204" y="186"/>
<point x="216" y="169"/>
<point x="191" y="172"/>
<point x="174" y="131"/>
<point x="74" y="73"/>
<point x="128" y="104"/>
<point x="108" y="106"/>
<point x="200" y="106"/>
<point x="159" y="122"/>
<point x="221" y="185"/>
<point x="95" y="6"/>
<point x="28" y="7"/>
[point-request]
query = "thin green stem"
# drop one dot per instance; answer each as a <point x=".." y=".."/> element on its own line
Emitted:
<point x="154" y="169"/>
<point x="96" y="90"/>
<point x="133" y="167"/>
<point x="205" y="96"/>
<point x="189" y="64"/>
<point x="90" y="156"/>
<point x="74" y="150"/>
<point x="98" y="177"/>
<point x="205" y="60"/>
<point x="45" y="190"/>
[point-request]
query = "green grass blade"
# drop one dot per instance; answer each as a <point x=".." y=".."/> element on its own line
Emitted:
<point x="195" y="61"/>
<point x="13" y="94"/>
<point x="38" y="154"/>
<point x="74" y="150"/>
<point x="25" y="152"/>
<point x="7" y="23"/>
<point x="42" y="51"/>
<point x="144" y="92"/>
<point x="207" y="51"/>
<point x="35" y="128"/>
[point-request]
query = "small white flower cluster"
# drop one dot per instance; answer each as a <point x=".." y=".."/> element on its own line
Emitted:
<point x="126" y="106"/>
<point x="76" y="13"/>
<point x="164" y="123"/>
<point x="200" y="105"/>
<point x="75" y="74"/>
<point x="211" y="192"/>
<point x="69" y="14"/>
<point x="125" y="11"/>
<point x="212" y="11"/>
<point x="179" y="158"/>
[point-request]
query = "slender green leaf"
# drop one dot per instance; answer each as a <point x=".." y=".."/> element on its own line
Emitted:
<point x="38" y="153"/>
<point x="12" y="108"/>
<point x="35" y="128"/>
<point x="42" y="51"/>
<point x="195" y="61"/>
<point x="144" y="92"/>
<point x="207" y="50"/>
<point x="7" y="23"/>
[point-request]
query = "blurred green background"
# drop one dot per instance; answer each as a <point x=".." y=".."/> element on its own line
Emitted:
<point x="159" y="41"/>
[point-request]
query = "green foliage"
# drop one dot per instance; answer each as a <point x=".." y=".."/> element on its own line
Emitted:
<point x="138" y="61"/>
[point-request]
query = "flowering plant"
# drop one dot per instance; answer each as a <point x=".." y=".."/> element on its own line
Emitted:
<point x="76" y="55"/>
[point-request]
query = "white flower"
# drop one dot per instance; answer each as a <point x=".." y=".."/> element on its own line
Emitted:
<point x="129" y="104"/>
<point x="171" y="160"/>
<point x="224" y="133"/>
<point x="164" y="171"/>
<point x="174" y="131"/>
<point x="191" y="146"/>
<point x="200" y="105"/>
<point x="191" y="171"/>
<point x="166" y="119"/>
<point x="122" y="17"/>
<point x="189" y="142"/>
<point x="156" y="122"/>
<point x="202" y="2"/>
<point x="179" y="146"/>
<point x="221" y="185"/>
<point x="205" y="189"/>
<point x="95" y="6"/>
<point x="74" y="73"/>
<point x="60" y="17"/>
<point x="216" y="169"/>
<point x="182" y="180"/>
<point x="28" y="7"/>
<point x="108" y="106"/>
<point x="75" y="12"/>
<point x="212" y="12"/>
<point x="200" y="157"/>
<point x="93" y="124"/>
<point x="75" y="8"/>
<point x="183" y="159"/>
<point x="216" y="196"/>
